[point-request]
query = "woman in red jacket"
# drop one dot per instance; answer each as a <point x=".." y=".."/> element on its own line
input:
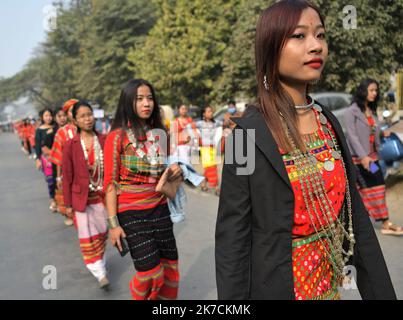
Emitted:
<point x="82" y="186"/>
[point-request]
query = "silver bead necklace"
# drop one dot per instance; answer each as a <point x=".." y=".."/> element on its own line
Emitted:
<point x="98" y="167"/>
<point x="152" y="156"/>
<point x="312" y="186"/>
<point x="307" y="106"/>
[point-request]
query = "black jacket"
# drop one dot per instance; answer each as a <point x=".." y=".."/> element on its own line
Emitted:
<point x="255" y="218"/>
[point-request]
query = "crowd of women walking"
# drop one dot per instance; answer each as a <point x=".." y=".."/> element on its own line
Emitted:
<point x="100" y="182"/>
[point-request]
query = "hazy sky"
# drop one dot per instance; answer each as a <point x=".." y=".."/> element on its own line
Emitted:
<point x="21" y="30"/>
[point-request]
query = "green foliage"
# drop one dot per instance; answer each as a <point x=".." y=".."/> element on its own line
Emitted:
<point x="112" y="29"/>
<point x="85" y="56"/>
<point x="374" y="49"/>
<point x="194" y="52"/>
<point x="182" y="55"/>
<point x="238" y="77"/>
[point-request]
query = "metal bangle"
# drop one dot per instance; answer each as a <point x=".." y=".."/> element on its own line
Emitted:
<point x="113" y="222"/>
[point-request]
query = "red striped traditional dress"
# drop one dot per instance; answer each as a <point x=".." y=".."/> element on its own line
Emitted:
<point x="144" y="216"/>
<point x="63" y="135"/>
<point x="208" y="149"/>
<point x="93" y="234"/>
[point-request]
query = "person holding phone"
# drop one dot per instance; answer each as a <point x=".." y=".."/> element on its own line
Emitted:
<point x="137" y="212"/>
<point x="363" y="137"/>
<point x="83" y="170"/>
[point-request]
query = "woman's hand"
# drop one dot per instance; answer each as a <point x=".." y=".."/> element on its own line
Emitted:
<point x="114" y="236"/>
<point x="175" y="171"/>
<point x="386" y="133"/>
<point x="38" y="164"/>
<point x="366" y="162"/>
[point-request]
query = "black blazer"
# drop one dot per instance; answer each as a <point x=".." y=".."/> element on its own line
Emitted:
<point x="253" y="247"/>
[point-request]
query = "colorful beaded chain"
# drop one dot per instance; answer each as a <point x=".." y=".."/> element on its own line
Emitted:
<point x="310" y="178"/>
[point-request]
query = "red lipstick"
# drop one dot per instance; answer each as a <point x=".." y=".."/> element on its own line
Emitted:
<point x="314" y="63"/>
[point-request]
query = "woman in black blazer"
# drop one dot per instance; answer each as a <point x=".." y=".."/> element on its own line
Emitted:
<point x="290" y="219"/>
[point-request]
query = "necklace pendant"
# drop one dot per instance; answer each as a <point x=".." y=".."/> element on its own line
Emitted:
<point x="330" y="143"/>
<point x="322" y="119"/>
<point x="141" y="153"/>
<point x="318" y="108"/>
<point x="329" y="165"/>
<point x="325" y="130"/>
<point x="336" y="155"/>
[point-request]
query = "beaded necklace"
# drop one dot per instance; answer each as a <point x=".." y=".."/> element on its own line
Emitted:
<point x="152" y="156"/>
<point x="312" y="186"/>
<point x="98" y="167"/>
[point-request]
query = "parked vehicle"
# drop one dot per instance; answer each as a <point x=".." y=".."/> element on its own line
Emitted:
<point x="337" y="102"/>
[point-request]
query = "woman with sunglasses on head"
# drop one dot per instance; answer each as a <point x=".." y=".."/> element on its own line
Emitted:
<point x="83" y="171"/>
<point x="290" y="219"/>
<point x="134" y="153"/>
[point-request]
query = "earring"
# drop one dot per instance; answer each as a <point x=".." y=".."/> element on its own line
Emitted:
<point x="265" y="83"/>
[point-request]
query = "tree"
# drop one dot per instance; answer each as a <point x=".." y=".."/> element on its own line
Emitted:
<point x="182" y="55"/>
<point x="110" y="31"/>
<point x="194" y="52"/>
<point x="238" y="76"/>
<point x="374" y="49"/>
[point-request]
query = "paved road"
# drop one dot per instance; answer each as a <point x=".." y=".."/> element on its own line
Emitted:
<point x="31" y="238"/>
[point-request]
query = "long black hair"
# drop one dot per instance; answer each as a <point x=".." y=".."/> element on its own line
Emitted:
<point x="77" y="106"/>
<point x="204" y="112"/>
<point x="42" y="112"/>
<point x="361" y="94"/>
<point x="126" y="117"/>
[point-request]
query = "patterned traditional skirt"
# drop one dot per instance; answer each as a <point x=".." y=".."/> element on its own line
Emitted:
<point x="92" y="234"/>
<point x="373" y="191"/>
<point x="209" y="163"/>
<point x="314" y="278"/>
<point x="152" y="244"/>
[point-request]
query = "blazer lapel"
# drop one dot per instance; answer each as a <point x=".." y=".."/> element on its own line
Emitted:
<point x="78" y="149"/>
<point x="265" y="142"/>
